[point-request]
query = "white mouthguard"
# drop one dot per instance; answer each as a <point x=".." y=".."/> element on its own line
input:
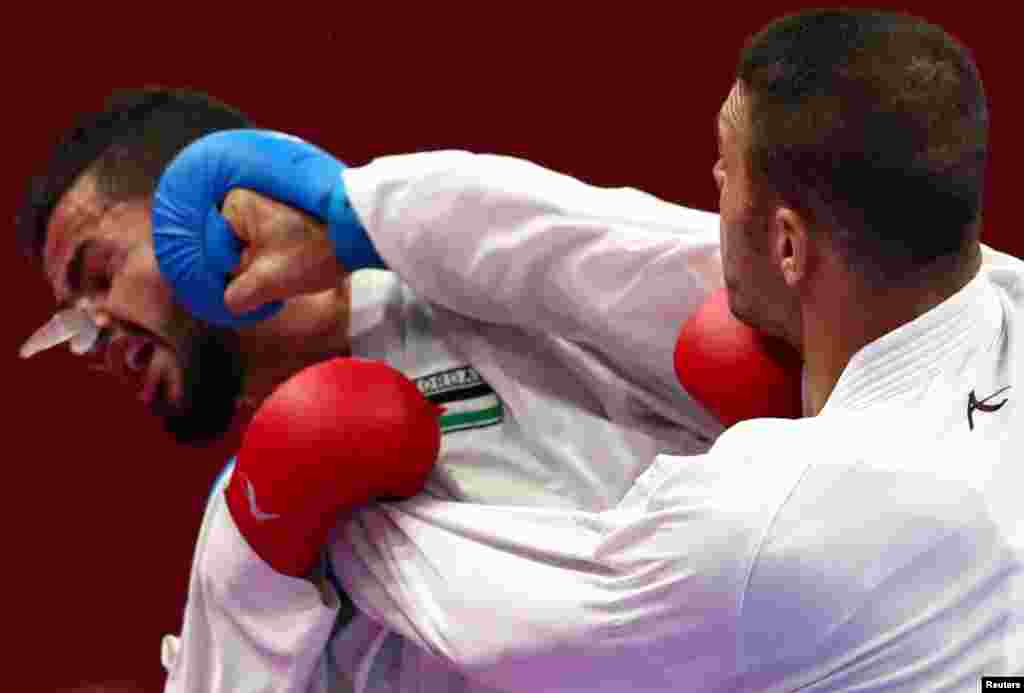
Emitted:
<point x="73" y="324"/>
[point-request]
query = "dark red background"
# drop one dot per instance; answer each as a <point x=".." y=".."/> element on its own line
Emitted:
<point x="101" y="511"/>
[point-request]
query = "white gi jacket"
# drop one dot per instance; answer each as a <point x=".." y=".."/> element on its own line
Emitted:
<point x="537" y="416"/>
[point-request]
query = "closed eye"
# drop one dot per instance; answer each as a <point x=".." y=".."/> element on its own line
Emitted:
<point x="74" y="273"/>
<point x="99" y="265"/>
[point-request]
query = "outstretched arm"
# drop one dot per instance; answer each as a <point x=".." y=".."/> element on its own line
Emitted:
<point x="503" y="240"/>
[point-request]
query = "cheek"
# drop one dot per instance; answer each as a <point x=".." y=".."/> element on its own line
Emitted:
<point x="140" y="282"/>
<point x="738" y="220"/>
<point x="723" y="242"/>
<point x="141" y="294"/>
<point x="723" y="202"/>
<point x="734" y="254"/>
<point x="734" y="219"/>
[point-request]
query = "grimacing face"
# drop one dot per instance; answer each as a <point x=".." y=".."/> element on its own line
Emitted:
<point x="758" y="294"/>
<point x="99" y="257"/>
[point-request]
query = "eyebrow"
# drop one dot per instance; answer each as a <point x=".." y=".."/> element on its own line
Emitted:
<point x="73" y="274"/>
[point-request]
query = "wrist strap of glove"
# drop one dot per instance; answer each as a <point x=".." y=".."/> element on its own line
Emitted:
<point x="352" y="244"/>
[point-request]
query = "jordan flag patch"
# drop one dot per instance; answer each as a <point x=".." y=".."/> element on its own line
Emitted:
<point x="469" y="402"/>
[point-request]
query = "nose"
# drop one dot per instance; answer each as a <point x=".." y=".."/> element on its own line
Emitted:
<point x="102" y="321"/>
<point x="97" y="312"/>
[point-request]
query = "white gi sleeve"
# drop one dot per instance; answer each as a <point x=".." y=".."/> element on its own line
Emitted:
<point x="643" y="597"/>
<point x="505" y="241"/>
<point x="248" y="628"/>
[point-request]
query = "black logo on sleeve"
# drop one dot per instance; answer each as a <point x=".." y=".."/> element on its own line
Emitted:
<point x="974" y="405"/>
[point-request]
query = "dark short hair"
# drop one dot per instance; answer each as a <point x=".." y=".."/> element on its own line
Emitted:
<point x="875" y="124"/>
<point x="126" y="145"/>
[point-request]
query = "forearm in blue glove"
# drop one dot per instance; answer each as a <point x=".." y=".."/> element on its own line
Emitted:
<point x="197" y="249"/>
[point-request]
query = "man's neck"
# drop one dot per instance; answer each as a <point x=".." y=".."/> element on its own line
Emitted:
<point x="844" y="318"/>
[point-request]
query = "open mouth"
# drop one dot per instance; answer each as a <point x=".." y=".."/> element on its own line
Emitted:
<point x="132" y="360"/>
<point x="139" y="355"/>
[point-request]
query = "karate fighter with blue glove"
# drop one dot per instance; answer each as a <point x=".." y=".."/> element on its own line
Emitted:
<point x="556" y="400"/>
